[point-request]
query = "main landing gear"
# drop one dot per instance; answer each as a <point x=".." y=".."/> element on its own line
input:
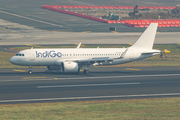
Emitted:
<point x="30" y="71"/>
<point x="86" y="71"/>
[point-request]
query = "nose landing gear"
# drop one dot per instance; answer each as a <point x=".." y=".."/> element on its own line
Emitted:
<point x="30" y="71"/>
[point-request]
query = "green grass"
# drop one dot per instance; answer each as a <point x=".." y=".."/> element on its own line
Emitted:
<point x="4" y="60"/>
<point x="172" y="60"/>
<point x="135" y="109"/>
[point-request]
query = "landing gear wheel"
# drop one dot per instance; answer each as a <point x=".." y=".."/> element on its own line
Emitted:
<point x="86" y="72"/>
<point x="30" y="72"/>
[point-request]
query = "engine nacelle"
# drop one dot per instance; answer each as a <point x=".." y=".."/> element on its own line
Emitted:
<point x="70" y="67"/>
<point x="54" y="67"/>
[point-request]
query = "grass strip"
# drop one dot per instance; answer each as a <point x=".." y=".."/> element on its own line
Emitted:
<point x="135" y="109"/>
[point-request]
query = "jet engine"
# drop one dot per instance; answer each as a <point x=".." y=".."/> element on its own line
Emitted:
<point x="70" y="67"/>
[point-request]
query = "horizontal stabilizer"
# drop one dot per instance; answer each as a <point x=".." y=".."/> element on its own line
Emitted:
<point x="151" y="52"/>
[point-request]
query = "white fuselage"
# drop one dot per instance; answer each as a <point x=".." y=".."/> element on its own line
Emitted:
<point x="53" y="57"/>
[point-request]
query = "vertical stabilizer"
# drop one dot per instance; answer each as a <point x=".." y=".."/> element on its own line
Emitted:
<point x="146" y="40"/>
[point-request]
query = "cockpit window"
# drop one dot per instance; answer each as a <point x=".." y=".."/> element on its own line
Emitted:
<point x="19" y="54"/>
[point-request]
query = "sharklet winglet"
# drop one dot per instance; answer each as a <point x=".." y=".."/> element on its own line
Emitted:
<point x="78" y="46"/>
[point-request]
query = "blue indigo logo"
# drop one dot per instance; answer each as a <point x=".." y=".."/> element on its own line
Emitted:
<point x="48" y="54"/>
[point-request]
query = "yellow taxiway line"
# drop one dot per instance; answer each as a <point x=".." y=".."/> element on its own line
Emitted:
<point x="132" y="69"/>
<point x="86" y="32"/>
<point x="19" y="70"/>
<point x="33" y="45"/>
<point x="78" y="44"/>
<point x="114" y="31"/>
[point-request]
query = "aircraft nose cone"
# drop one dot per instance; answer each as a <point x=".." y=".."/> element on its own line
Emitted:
<point x="12" y="60"/>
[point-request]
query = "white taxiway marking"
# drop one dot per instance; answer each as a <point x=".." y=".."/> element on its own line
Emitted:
<point x="90" y="97"/>
<point x="31" y="19"/>
<point x="89" y="85"/>
<point x="104" y="77"/>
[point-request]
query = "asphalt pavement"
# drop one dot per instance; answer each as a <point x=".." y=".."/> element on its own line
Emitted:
<point x="31" y="13"/>
<point x="101" y="84"/>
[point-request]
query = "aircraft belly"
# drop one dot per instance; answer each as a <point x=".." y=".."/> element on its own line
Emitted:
<point x="42" y="62"/>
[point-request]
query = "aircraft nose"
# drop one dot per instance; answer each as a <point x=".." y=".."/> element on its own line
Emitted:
<point x="12" y="60"/>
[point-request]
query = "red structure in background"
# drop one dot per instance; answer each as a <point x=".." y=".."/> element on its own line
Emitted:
<point x="161" y="23"/>
<point x="129" y="23"/>
<point x="56" y="8"/>
<point x="110" y="7"/>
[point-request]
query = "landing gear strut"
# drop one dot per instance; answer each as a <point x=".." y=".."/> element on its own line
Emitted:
<point x="86" y="71"/>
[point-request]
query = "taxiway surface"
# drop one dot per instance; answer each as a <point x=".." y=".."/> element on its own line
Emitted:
<point x="31" y="13"/>
<point x="17" y="34"/>
<point x="16" y="86"/>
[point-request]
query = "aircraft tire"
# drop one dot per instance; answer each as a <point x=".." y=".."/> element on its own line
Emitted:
<point x="86" y="72"/>
<point x="30" y="72"/>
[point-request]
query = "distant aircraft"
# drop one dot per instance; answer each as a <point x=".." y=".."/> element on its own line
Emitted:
<point x="74" y="59"/>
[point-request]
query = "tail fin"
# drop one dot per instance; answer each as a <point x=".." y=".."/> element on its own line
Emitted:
<point x="146" y="40"/>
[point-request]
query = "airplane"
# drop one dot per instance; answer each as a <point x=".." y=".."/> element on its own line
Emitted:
<point x="72" y="60"/>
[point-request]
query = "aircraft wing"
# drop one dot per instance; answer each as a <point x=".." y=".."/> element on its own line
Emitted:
<point x="92" y="60"/>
